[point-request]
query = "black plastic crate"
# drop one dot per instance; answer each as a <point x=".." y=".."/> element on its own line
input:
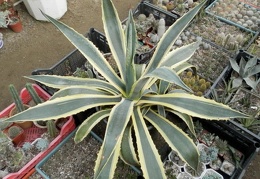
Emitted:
<point x="220" y="84"/>
<point x="99" y="40"/>
<point x="65" y="67"/>
<point x="237" y="140"/>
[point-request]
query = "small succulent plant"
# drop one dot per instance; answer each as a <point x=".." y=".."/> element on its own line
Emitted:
<point x="208" y="154"/>
<point x="27" y="146"/>
<point x="221" y="145"/>
<point x="245" y="71"/>
<point x="42" y="144"/>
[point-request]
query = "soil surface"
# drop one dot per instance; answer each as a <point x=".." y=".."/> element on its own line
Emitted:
<point x="41" y="45"/>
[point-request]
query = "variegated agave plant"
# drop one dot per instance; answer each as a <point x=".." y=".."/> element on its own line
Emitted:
<point x="131" y="97"/>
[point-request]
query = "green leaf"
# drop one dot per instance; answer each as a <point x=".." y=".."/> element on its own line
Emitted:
<point x="64" y="107"/>
<point x="180" y="55"/>
<point x="170" y="37"/>
<point x="117" y="121"/>
<point x="184" y="66"/>
<point x="131" y="41"/>
<point x="167" y="74"/>
<point x="192" y="105"/>
<point x="128" y="153"/>
<point x="187" y="119"/>
<point x="175" y="137"/>
<point x="90" y="52"/>
<point x="254" y="70"/>
<point x="74" y="90"/>
<point x="60" y="82"/>
<point x="250" y="63"/>
<point x="114" y="35"/>
<point x="85" y="128"/>
<point x="149" y="157"/>
<point x="234" y="64"/>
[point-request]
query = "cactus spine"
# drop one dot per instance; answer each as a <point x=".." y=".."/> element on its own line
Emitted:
<point x="14" y="131"/>
<point x="17" y="100"/>
<point x="37" y="100"/>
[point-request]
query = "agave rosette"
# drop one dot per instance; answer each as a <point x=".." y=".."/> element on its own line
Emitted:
<point x="137" y="95"/>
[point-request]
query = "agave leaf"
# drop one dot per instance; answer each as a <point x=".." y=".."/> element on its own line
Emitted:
<point x="90" y="52"/>
<point x="139" y="69"/>
<point x="114" y="35"/>
<point x="251" y="83"/>
<point x="85" y="128"/>
<point x="234" y="65"/>
<point x="117" y="121"/>
<point x="242" y="70"/>
<point x="128" y="153"/>
<point x="192" y="105"/>
<point x="170" y="37"/>
<point x="74" y="90"/>
<point x="108" y="170"/>
<point x="184" y="66"/>
<point x="60" y="82"/>
<point x="167" y="74"/>
<point x="130" y="53"/>
<point x="180" y="55"/>
<point x="149" y="157"/>
<point x="254" y="70"/>
<point x="250" y="63"/>
<point x="63" y="107"/>
<point x="187" y="119"/>
<point x="237" y="82"/>
<point x="175" y="137"/>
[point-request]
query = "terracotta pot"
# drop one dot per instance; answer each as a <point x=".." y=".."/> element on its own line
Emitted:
<point x="16" y="25"/>
<point x="22" y="124"/>
<point x="19" y="138"/>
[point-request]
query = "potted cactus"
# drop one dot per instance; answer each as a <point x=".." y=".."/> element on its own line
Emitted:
<point x="50" y="124"/>
<point x="19" y="107"/>
<point x="9" y="16"/>
<point x="15" y="133"/>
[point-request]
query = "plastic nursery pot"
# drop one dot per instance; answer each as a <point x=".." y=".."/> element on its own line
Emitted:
<point x="184" y="175"/>
<point x="210" y="173"/>
<point x="15" y="133"/>
<point x="196" y="174"/>
<point x="24" y="124"/>
<point x="173" y="156"/>
<point x="171" y="169"/>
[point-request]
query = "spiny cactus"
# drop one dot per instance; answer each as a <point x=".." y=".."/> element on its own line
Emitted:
<point x="42" y="144"/>
<point x="33" y="93"/>
<point x="196" y="83"/>
<point x="27" y="146"/>
<point x="17" y="100"/>
<point x="51" y="128"/>
<point x="14" y="131"/>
